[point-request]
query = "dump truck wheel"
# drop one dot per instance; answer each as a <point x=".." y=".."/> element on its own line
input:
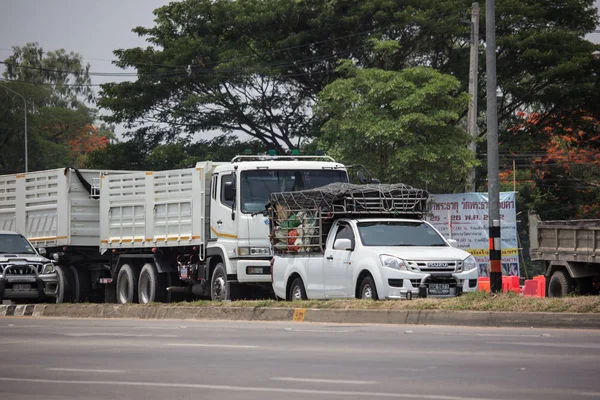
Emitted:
<point x="560" y="284"/>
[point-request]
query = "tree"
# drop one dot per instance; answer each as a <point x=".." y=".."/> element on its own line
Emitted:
<point x="66" y="73"/>
<point x="137" y="154"/>
<point x="560" y="178"/>
<point x="61" y="129"/>
<point x="401" y="125"/>
<point x="257" y="66"/>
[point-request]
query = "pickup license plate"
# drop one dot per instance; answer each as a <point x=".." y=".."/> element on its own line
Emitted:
<point x="439" y="288"/>
<point x="21" y="286"/>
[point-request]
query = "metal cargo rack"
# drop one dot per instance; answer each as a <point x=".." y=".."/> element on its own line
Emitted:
<point x="300" y="221"/>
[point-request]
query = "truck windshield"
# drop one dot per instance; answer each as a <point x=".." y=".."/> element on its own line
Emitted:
<point x="257" y="186"/>
<point x="398" y="233"/>
<point x="14" y="244"/>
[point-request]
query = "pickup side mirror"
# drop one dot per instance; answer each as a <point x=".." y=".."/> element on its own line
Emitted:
<point x="452" y="242"/>
<point x="42" y="251"/>
<point x="343" y="244"/>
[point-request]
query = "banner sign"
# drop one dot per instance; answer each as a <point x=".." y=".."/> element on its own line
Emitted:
<point x="464" y="218"/>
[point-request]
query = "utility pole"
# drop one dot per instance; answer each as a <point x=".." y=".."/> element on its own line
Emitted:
<point x="495" y="242"/>
<point x="473" y="84"/>
<point x="25" y="128"/>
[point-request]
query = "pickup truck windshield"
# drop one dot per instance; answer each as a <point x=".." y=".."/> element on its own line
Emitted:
<point x="398" y="233"/>
<point x="14" y="244"/>
<point x="257" y="186"/>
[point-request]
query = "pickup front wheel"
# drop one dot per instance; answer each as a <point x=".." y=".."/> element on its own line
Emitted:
<point x="367" y="289"/>
<point x="297" y="291"/>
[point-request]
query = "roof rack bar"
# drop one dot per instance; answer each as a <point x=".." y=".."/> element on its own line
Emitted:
<point x="242" y="158"/>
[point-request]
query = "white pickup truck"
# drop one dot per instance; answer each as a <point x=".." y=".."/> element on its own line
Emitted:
<point x="376" y="258"/>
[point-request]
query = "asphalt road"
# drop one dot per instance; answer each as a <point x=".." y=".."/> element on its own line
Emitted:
<point x="45" y="358"/>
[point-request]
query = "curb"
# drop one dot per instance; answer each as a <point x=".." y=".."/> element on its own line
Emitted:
<point x="401" y="317"/>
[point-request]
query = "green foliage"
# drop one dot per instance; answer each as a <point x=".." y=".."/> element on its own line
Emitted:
<point x="65" y="72"/>
<point x="401" y="125"/>
<point x="138" y="155"/>
<point x="55" y="110"/>
<point x="257" y="66"/>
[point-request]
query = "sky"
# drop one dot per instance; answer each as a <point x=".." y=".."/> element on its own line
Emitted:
<point x="92" y="28"/>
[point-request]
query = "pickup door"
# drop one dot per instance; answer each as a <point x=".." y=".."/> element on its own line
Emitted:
<point x="338" y="263"/>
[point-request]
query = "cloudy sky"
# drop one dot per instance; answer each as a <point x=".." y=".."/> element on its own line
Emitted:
<point x="93" y="28"/>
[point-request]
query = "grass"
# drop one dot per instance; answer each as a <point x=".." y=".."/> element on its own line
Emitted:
<point x="476" y="301"/>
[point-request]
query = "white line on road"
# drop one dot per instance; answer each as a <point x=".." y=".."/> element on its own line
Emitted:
<point x="250" y="389"/>
<point x="16" y="342"/>
<point x="102" y="371"/>
<point x="290" y="379"/>
<point x="588" y="346"/>
<point x="490" y="334"/>
<point x="315" y="330"/>
<point x="225" y="346"/>
<point x="119" y="335"/>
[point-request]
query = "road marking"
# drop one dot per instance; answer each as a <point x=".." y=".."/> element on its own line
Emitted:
<point x="594" y="346"/>
<point x="290" y="379"/>
<point x="101" y="371"/>
<point x="16" y="342"/>
<point x="225" y="346"/>
<point x="119" y="335"/>
<point x="249" y="389"/>
<point x="299" y="314"/>
<point x="315" y="330"/>
<point x="490" y="334"/>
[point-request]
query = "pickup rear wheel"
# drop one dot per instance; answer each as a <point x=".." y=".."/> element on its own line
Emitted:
<point x="297" y="291"/>
<point x="367" y="289"/>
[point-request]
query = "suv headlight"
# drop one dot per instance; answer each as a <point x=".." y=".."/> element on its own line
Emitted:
<point x="469" y="263"/>
<point x="48" y="269"/>
<point x="392" y="262"/>
<point x="254" y="251"/>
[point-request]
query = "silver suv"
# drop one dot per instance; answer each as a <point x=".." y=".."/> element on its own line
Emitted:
<point x="24" y="272"/>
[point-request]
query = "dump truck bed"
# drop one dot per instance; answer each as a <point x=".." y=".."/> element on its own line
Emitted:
<point x="566" y="240"/>
<point x="152" y="209"/>
<point x="52" y="207"/>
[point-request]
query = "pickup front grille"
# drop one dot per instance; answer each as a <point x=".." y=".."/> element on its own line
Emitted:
<point x="435" y="266"/>
<point x="21" y="269"/>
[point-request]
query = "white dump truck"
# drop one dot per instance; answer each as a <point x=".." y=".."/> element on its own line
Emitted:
<point x="150" y="236"/>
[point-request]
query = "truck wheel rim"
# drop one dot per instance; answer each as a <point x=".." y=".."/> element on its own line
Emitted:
<point x="219" y="288"/>
<point x="297" y="293"/>
<point x="145" y="289"/>
<point x="367" y="292"/>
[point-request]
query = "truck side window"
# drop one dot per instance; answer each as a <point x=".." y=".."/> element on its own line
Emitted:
<point x="226" y="179"/>
<point x="214" y="187"/>
<point x="344" y="232"/>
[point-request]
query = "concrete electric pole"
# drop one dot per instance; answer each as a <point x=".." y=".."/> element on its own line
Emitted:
<point x="473" y="84"/>
<point x="495" y="243"/>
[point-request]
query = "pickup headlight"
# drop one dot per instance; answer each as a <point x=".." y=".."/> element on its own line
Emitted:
<point x="392" y="262"/>
<point x="470" y="263"/>
<point x="254" y="251"/>
<point x="48" y="269"/>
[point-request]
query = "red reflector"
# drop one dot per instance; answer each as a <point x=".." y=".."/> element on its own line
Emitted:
<point x="105" y="280"/>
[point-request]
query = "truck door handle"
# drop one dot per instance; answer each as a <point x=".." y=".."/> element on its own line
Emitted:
<point x="330" y="258"/>
<point x="219" y="222"/>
